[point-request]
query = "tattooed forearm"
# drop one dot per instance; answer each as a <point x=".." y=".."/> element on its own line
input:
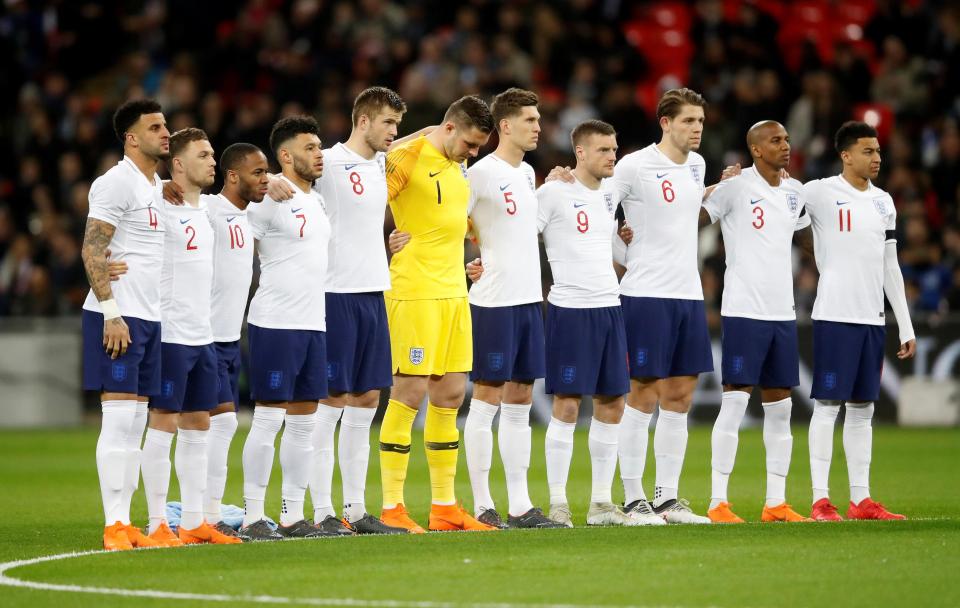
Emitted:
<point x="96" y="239"/>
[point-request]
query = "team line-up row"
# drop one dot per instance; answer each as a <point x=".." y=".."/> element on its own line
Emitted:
<point x="333" y="322"/>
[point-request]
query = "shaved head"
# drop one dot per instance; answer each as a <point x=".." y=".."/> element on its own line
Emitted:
<point x="769" y="145"/>
<point x="757" y="132"/>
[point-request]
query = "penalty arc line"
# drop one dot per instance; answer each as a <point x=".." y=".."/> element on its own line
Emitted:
<point x="10" y="581"/>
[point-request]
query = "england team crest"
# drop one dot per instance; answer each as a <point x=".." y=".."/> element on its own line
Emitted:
<point x="830" y="380"/>
<point x="568" y="373"/>
<point x="608" y="199"/>
<point x="495" y="361"/>
<point x="416" y="356"/>
<point x="533" y="187"/>
<point x="793" y="201"/>
<point x="695" y="172"/>
<point x="275" y="379"/>
<point x="880" y="204"/>
<point x="118" y="372"/>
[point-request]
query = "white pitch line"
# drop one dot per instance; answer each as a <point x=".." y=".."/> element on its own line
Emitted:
<point x="9" y="581"/>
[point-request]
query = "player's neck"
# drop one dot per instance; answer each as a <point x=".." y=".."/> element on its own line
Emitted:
<point x="191" y="192"/>
<point x="860" y="183"/>
<point x="771" y="175"/>
<point x="586" y="178"/>
<point x="509" y="153"/>
<point x="358" y="145"/>
<point x="436" y="138"/>
<point x="672" y="152"/>
<point x="296" y="180"/>
<point x="146" y="164"/>
<point x="235" y="199"/>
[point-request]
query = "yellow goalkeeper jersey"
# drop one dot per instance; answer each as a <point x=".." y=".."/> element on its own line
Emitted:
<point x="428" y="195"/>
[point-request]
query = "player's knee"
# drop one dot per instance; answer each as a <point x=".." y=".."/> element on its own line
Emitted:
<point x="518" y="392"/>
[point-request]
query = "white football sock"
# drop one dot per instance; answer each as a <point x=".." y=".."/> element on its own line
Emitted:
<point x="633" y="441"/>
<point x="724" y="441"/>
<point x="296" y="462"/>
<point x="821" y="446"/>
<point x="321" y="475"/>
<point x="131" y="472"/>
<point x="258" y="453"/>
<point x="778" y="442"/>
<point x="155" y="467"/>
<point x="514" y="441"/>
<point x="858" y="446"/>
<point x="190" y="460"/>
<point x="354" y="452"/>
<point x="478" y="442"/>
<point x="112" y="454"/>
<point x="669" y="448"/>
<point x="602" y="442"/>
<point x="222" y="429"/>
<point x="558" y="446"/>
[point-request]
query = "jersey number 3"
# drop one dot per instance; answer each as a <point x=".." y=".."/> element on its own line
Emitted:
<point x="758" y="214"/>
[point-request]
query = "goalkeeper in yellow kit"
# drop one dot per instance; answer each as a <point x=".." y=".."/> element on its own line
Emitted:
<point x="428" y="311"/>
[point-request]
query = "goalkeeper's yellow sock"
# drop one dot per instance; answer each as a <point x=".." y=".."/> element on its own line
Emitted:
<point x="442" y="441"/>
<point x="395" y="450"/>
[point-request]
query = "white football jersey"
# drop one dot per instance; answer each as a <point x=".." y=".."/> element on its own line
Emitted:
<point x="850" y="230"/>
<point x="354" y="191"/>
<point x="232" y="266"/>
<point x="758" y="222"/>
<point x="124" y="198"/>
<point x="503" y="209"/>
<point x="661" y="202"/>
<point x="578" y="226"/>
<point x="293" y="236"/>
<point x="187" y="276"/>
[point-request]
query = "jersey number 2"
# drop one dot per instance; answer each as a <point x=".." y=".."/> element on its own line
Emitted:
<point x="193" y="234"/>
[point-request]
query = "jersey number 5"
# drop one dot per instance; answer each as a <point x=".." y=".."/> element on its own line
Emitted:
<point x="511" y="204"/>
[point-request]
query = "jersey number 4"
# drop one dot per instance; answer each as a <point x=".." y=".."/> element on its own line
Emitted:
<point x="153" y="218"/>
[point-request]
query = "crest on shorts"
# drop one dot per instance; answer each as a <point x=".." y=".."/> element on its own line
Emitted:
<point x="736" y="364"/>
<point x="118" y="372"/>
<point x="568" y="373"/>
<point x="495" y="361"/>
<point x="695" y="172"/>
<point x="333" y="370"/>
<point x="830" y="380"/>
<point x="641" y="357"/>
<point x="416" y="356"/>
<point x="275" y="379"/>
<point x="880" y="204"/>
<point x="793" y="201"/>
<point x="608" y="199"/>
<point x="167" y="388"/>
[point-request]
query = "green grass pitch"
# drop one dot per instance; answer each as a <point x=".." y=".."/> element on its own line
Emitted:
<point x="50" y="504"/>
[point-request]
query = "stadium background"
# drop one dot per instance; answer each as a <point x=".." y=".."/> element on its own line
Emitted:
<point x="234" y="68"/>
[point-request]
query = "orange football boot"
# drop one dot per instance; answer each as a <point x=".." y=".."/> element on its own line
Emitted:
<point x="781" y="512"/>
<point x="138" y="539"/>
<point x="115" y="537"/>
<point x="206" y="533"/>
<point x="165" y="536"/>
<point x="399" y="518"/>
<point x="444" y="518"/>
<point x="869" y="509"/>
<point x="722" y="514"/>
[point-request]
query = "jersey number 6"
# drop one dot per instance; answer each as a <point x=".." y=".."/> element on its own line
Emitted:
<point x="667" y="188"/>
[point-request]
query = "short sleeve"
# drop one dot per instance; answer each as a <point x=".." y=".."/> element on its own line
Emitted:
<point x="543" y="207"/>
<point x="260" y="215"/>
<point x="719" y="203"/>
<point x="808" y="195"/>
<point x="624" y="174"/>
<point x="107" y="200"/>
<point x="400" y="164"/>
<point x="891" y="221"/>
<point x="475" y="179"/>
<point x="803" y="220"/>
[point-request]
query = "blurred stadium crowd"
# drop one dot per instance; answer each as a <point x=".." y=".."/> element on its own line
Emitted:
<point x="233" y="68"/>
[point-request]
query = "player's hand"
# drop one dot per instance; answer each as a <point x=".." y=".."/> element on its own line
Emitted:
<point x="397" y="240"/>
<point x="172" y="193"/>
<point x="116" y="337"/>
<point x="278" y="189"/>
<point x="626" y="233"/>
<point x="475" y="270"/>
<point x="115" y="269"/>
<point x="731" y="171"/>
<point x="907" y="350"/>
<point x="564" y="174"/>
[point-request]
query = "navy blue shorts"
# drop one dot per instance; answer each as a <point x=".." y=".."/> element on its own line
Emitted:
<point x="188" y="378"/>
<point x="287" y="364"/>
<point x="586" y="351"/>
<point x="507" y="343"/>
<point x="847" y="361"/>
<point x="228" y="372"/>
<point x="137" y="372"/>
<point x="760" y="353"/>
<point x="358" y="343"/>
<point x="666" y="337"/>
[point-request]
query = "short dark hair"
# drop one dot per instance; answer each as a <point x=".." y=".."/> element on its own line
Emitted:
<point x="372" y="100"/>
<point x="234" y="155"/>
<point x="130" y="112"/>
<point x="849" y="132"/>
<point x="510" y="103"/>
<point x="588" y="128"/>
<point x="182" y="138"/>
<point x="289" y="127"/>
<point x="674" y="99"/>
<point x="470" y="111"/>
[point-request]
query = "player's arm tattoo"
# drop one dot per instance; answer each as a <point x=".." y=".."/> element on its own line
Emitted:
<point x="96" y="239"/>
<point x="803" y="239"/>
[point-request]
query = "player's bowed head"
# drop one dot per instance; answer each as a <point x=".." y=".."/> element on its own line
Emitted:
<point x="466" y="127"/>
